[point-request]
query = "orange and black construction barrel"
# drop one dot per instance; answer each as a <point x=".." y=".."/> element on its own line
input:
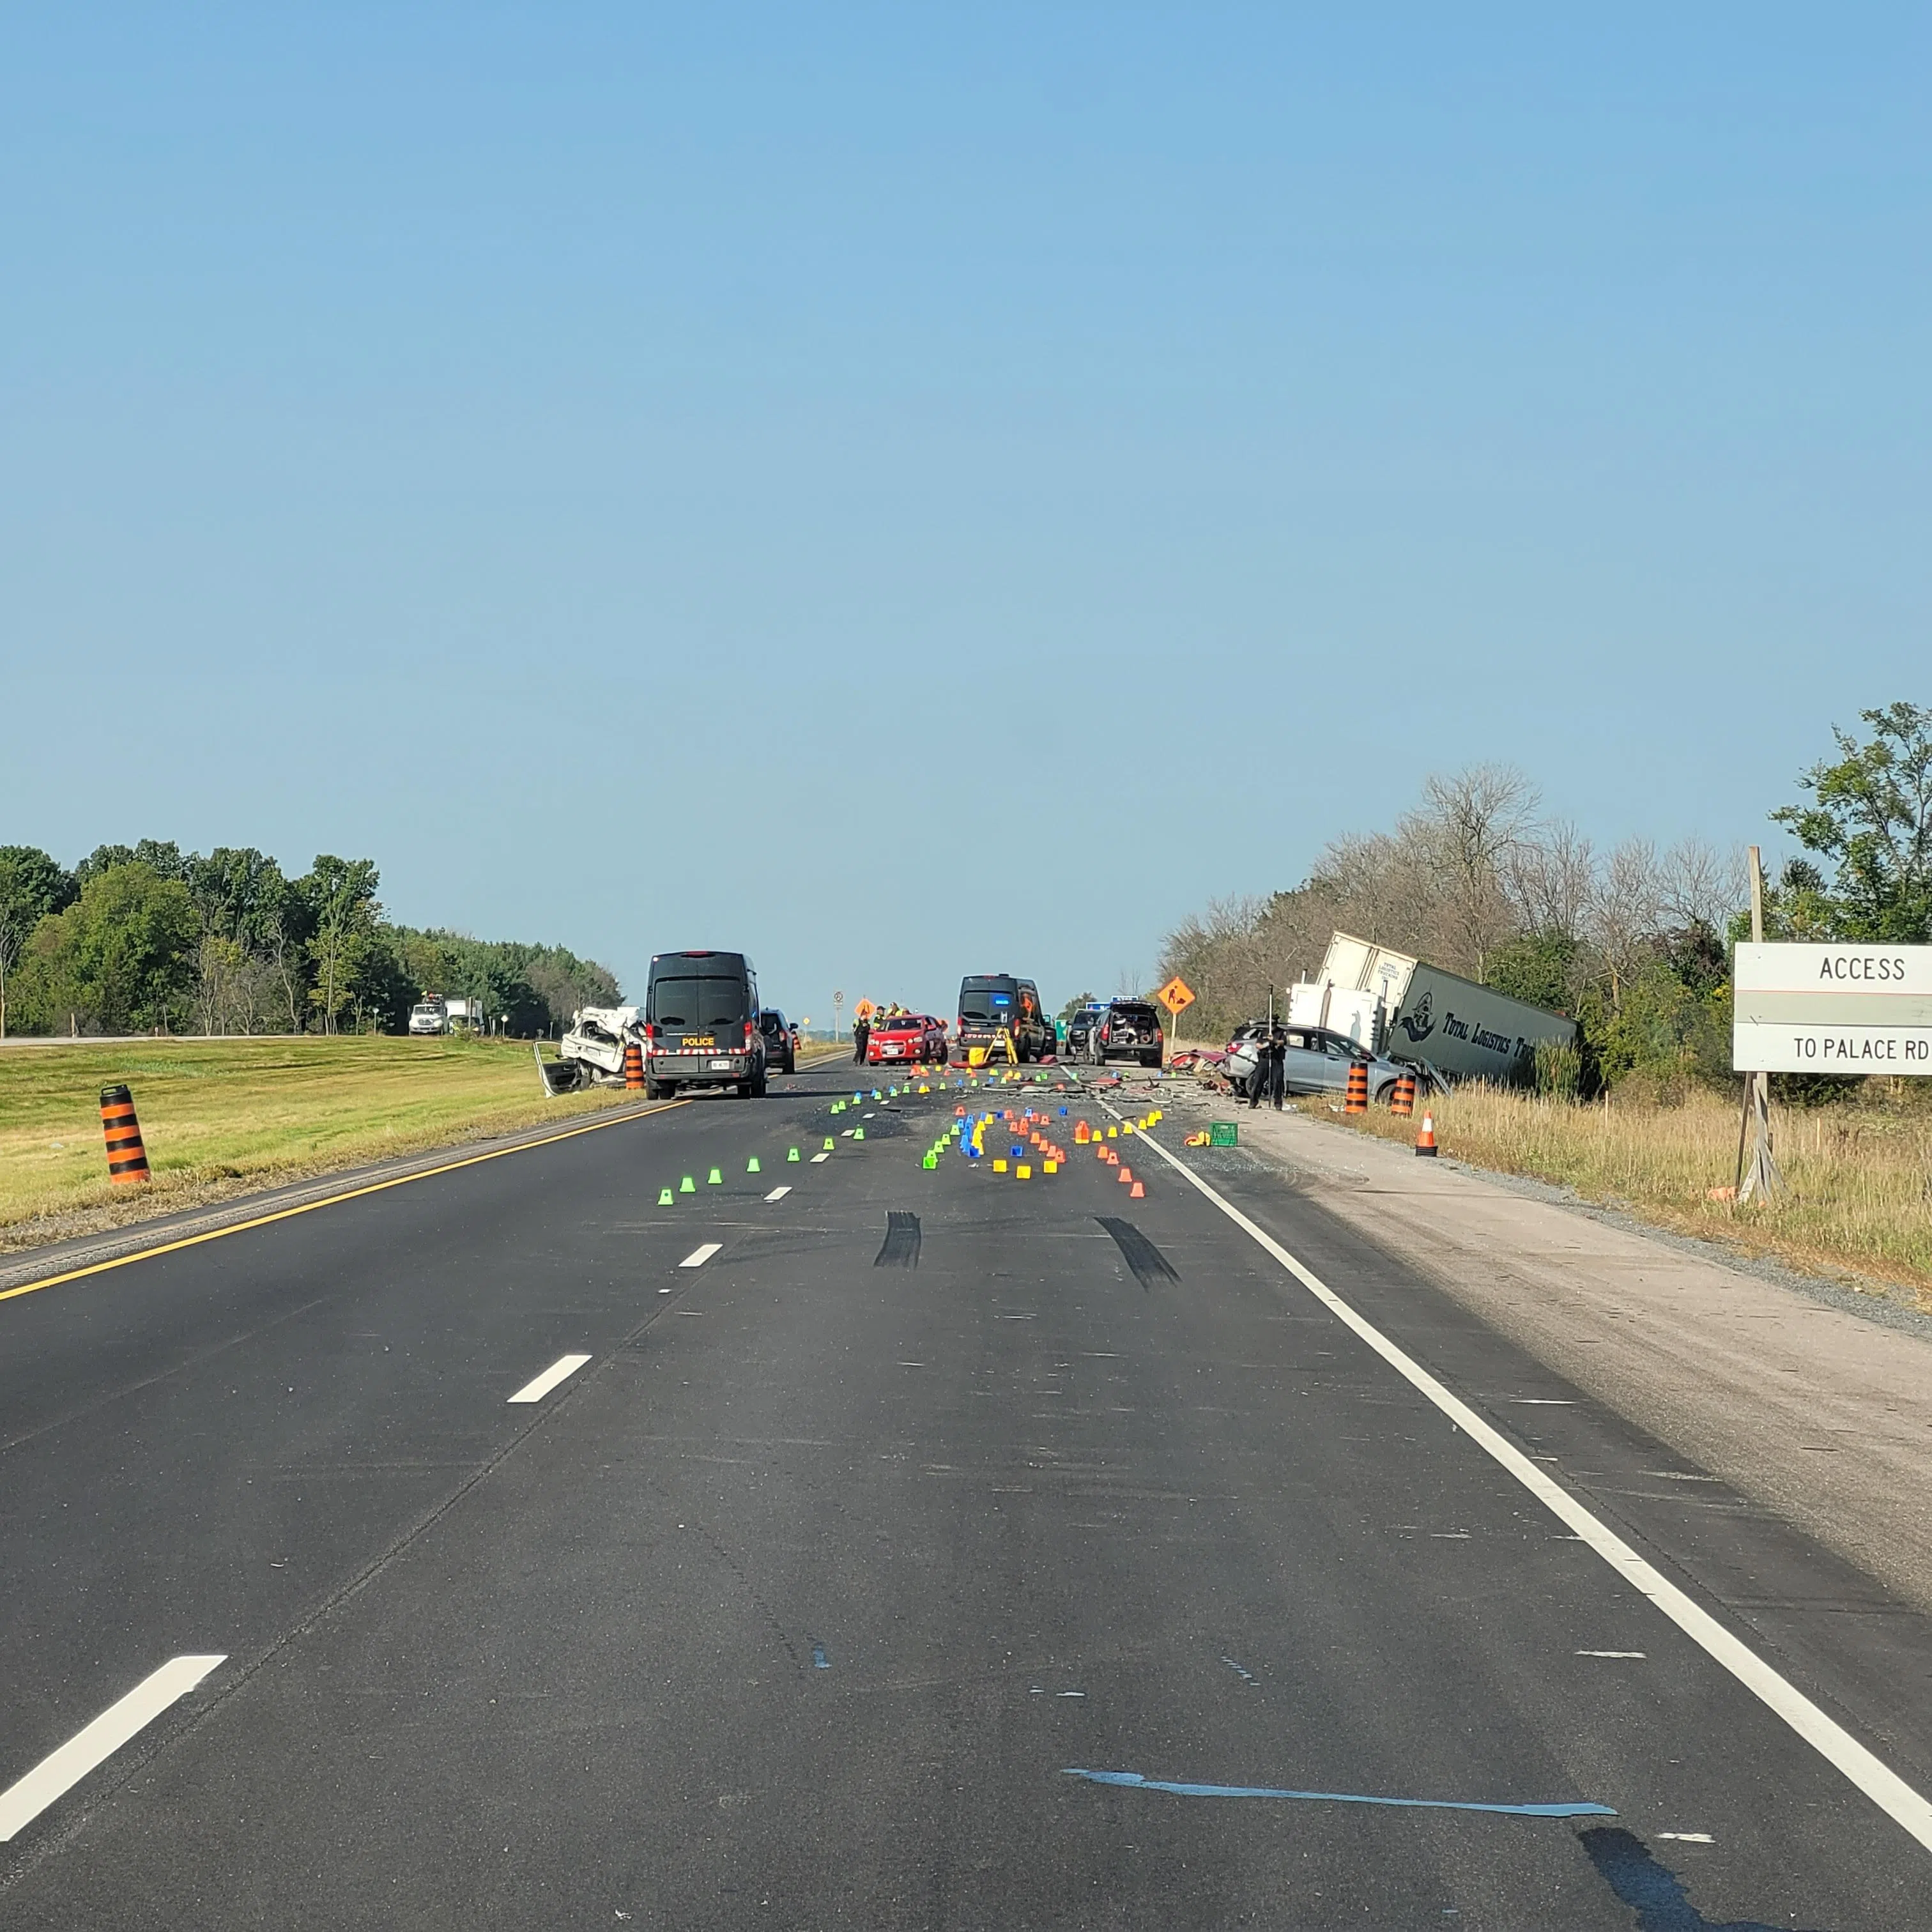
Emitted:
<point x="1403" y="1106"/>
<point x="127" y="1158"/>
<point x="1358" y="1101"/>
<point x="633" y="1067"/>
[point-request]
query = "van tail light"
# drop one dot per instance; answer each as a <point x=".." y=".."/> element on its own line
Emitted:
<point x="650" y="1032"/>
<point x="748" y="1034"/>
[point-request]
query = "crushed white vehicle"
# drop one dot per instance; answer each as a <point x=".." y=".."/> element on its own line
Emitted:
<point x="592" y="1053"/>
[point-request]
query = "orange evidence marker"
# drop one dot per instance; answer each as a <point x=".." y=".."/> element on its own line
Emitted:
<point x="1139" y="1192"/>
<point x="1080" y="1135"/>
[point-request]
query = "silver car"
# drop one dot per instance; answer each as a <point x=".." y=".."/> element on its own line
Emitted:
<point x="1317" y="1061"/>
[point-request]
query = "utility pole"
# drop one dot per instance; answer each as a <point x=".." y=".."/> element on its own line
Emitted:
<point x="1762" y="1181"/>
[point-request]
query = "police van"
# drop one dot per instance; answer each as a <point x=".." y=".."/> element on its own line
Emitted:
<point x="991" y="1002"/>
<point x="701" y="1025"/>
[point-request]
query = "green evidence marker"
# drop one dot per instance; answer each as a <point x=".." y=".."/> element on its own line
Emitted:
<point x="858" y="1133"/>
<point x="717" y="1180"/>
<point x="751" y="1165"/>
<point x="664" y="1197"/>
<point x="793" y="1155"/>
<point x="829" y="1147"/>
<point x="687" y="1186"/>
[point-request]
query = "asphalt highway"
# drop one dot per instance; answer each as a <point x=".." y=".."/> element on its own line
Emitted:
<point x="916" y="1548"/>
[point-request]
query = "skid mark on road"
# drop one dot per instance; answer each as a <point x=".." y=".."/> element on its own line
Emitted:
<point x="1653" y="1891"/>
<point x="900" y="1246"/>
<point x="1148" y="1264"/>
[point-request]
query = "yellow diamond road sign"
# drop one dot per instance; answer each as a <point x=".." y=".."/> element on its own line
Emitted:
<point x="1176" y="994"/>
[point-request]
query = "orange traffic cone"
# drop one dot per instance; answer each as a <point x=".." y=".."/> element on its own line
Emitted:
<point x="1425" y="1142"/>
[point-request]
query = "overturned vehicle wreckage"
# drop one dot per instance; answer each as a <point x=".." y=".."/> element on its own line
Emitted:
<point x="592" y="1053"/>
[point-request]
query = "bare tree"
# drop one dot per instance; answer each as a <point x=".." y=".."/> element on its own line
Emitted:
<point x="1479" y="819"/>
<point x="1627" y="912"/>
<point x="1553" y="879"/>
<point x="1699" y="885"/>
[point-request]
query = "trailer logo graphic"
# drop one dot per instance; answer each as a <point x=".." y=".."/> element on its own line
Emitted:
<point x="1419" y="1025"/>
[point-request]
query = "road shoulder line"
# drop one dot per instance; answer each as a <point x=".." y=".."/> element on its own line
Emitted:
<point x="1883" y="1785"/>
<point x="330" y="1200"/>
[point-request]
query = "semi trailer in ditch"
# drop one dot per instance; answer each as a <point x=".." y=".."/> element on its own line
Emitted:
<point x="1412" y="1011"/>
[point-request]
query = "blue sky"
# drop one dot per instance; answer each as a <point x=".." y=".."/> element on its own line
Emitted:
<point x="909" y="494"/>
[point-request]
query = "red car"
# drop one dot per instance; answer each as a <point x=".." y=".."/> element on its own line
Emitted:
<point x="913" y="1039"/>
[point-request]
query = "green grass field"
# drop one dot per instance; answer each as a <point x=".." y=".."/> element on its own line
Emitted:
<point x="219" y="1117"/>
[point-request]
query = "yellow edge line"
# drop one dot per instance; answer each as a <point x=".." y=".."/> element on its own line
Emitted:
<point x="329" y="1201"/>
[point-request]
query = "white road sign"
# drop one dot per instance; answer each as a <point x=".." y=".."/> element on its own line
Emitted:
<point x="1811" y="1009"/>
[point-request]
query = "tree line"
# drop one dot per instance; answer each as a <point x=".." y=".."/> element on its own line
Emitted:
<point x="1634" y="942"/>
<point x="147" y="937"/>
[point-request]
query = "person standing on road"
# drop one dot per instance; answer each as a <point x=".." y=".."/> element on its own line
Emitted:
<point x="1270" y="1070"/>
<point x="862" y="1031"/>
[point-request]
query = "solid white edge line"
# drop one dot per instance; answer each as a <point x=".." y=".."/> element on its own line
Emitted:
<point x="1879" y="1782"/>
<point x="559" y="1370"/>
<point x="698" y="1257"/>
<point x="62" y="1769"/>
<point x="777" y="1193"/>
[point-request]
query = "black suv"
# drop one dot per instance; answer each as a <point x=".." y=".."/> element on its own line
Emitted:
<point x="988" y="1001"/>
<point x="1128" y="1028"/>
<point x="701" y="1025"/>
<point x="780" y="1055"/>
<point x="1080" y="1030"/>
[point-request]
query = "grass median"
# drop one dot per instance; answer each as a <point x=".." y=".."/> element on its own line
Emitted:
<point x="223" y="1116"/>
<point x="1859" y="1172"/>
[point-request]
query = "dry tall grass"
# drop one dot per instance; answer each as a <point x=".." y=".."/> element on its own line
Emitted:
<point x="220" y="1117"/>
<point x="1860" y="1175"/>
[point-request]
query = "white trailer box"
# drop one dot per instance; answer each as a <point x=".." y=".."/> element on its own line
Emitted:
<point x="1342" y="1009"/>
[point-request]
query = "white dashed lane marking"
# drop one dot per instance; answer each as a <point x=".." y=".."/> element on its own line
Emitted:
<point x="560" y="1370"/>
<point x="778" y="1194"/>
<point x="60" y="1771"/>
<point x="698" y="1257"/>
